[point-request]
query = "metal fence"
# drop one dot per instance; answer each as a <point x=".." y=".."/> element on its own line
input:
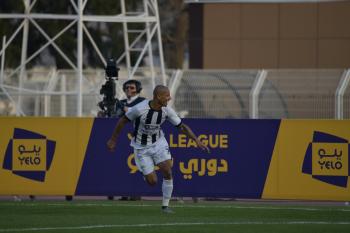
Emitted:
<point x="263" y="94"/>
<point x="297" y="93"/>
<point x="50" y="92"/>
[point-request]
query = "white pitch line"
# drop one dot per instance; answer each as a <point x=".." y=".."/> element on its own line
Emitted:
<point x="182" y="206"/>
<point x="273" y="208"/>
<point x="206" y="206"/>
<point x="175" y="224"/>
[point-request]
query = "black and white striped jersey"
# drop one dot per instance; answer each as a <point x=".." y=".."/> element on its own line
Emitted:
<point x="147" y="122"/>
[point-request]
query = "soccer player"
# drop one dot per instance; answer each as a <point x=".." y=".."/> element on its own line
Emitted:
<point x="149" y="143"/>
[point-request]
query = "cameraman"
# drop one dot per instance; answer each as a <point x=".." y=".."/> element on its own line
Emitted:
<point x="132" y="89"/>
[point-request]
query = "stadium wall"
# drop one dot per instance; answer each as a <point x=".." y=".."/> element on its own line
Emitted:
<point x="269" y="35"/>
<point x="268" y="159"/>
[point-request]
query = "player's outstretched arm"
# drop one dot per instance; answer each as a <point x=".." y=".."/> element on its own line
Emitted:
<point x="187" y="130"/>
<point x="112" y="142"/>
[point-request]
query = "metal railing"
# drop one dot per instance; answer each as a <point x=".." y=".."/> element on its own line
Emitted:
<point x="297" y="93"/>
<point x="310" y="94"/>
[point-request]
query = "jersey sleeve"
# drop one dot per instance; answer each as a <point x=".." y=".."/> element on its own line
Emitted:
<point x="139" y="100"/>
<point x="132" y="113"/>
<point x="173" y="117"/>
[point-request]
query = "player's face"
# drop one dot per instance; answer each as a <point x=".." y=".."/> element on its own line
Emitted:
<point x="130" y="90"/>
<point x="164" y="98"/>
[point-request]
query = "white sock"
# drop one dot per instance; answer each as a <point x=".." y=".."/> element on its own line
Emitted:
<point x="167" y="189"/>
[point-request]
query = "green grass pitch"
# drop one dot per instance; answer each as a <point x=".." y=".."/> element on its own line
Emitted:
<point x="146" y="216"/>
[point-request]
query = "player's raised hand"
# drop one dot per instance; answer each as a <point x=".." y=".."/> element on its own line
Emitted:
<point x="111" y="145"/>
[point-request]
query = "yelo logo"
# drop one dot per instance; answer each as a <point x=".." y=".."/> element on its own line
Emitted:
<point x="29" y="154"/>
<point x="327" y="159"/>
<point x="330" y="159"/>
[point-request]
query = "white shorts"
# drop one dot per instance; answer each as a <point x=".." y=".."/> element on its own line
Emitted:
<point x="147" y="158"/>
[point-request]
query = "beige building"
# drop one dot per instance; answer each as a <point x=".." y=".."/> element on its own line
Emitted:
<point x="269" y="35"/>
